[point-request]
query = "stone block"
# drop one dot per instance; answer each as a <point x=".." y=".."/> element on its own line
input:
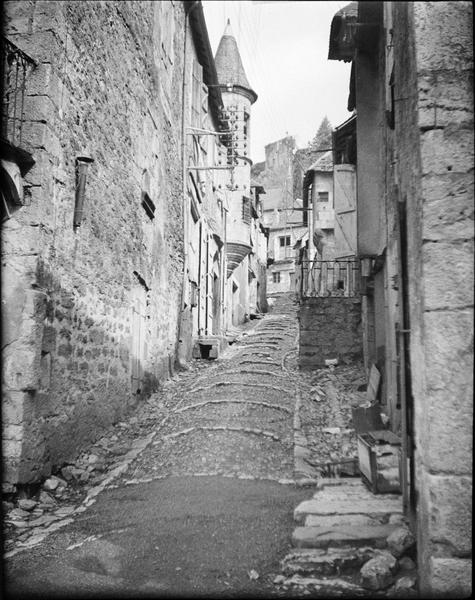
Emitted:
<point x="448" y="349"/>
<point x="399" y="541"/>
<point x="448" y="207"/>
<point x="332" y="520"/>
<point x="49" y="339"/>
<point x="378" y="572"/>
<point x="34" y="134"/>
<point x="44" y="46"/>
<point x="318" y="562"/>
<point x="443" y="36"/>
<point x="447" y="430"/>
<point x="443" y="423"/>
<point x="344" y="493"/>
<point x="12" y="409"/>
<point x="11" y="449"/>
<point x="447" y="150"/>
<point x="40" y="109"/>
<point x="447" y="274"/>
<point x="445" y="97"/>
<point x="342" y="535"/>
<point x="375" y="507"/>
<point x="447" y="501"/>
<point x="449" y="577"/>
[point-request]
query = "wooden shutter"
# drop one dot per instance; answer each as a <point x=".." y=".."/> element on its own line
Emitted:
<point x="344" y="180"/>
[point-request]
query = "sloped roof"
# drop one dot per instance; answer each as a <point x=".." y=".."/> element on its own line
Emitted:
<point x="341" y="45"/>
<point x="229" y="65"/>
<point x="324" y="163"/>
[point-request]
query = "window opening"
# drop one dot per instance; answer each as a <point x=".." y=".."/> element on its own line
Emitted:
<point x="322" y="197"/>
<point x="285" y="240"/>
<point x="148" y="205"/>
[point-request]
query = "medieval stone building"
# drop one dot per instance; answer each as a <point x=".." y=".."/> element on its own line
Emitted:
<point x="114" y="264"/>
<point x="411" y="88"/>
<point x="282" y="212"/>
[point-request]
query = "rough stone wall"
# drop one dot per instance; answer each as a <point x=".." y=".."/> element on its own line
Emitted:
<point x="434" y="126"/>
<point x="329" y="328"/>
<point x="102" y="87"/>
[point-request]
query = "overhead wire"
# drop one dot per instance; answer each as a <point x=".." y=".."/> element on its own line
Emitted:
<point x="258" y="70"/>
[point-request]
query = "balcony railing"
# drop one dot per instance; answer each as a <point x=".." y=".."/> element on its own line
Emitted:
<point x="320" y="278"/>
<point x="15" y="69"/>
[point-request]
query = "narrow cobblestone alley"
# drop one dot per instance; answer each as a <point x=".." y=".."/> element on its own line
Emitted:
<point x="207" y="489"/>
<point x="197" y="489"/>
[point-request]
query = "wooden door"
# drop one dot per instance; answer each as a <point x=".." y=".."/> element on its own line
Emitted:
<point x="344" y="201"/>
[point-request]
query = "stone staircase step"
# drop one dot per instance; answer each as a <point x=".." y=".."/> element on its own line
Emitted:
<point x="333" y="520"/>
<point x="319" y="562"/>
<point x="342" y="535"/>
<point x="374" y="506"/>
<point x="326" y="482"/>
<point x="326" y="588"/>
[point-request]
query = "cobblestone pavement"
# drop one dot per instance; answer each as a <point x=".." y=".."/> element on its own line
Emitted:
<point x="201" y="473"/>
<point x="206" y="473"/>
<point x="235" y="418"/>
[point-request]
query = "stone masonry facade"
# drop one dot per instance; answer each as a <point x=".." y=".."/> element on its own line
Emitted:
<point x="436" y="126"/>
<point x="412" y="88"/>
<point x="330" y="327"/>
<point x="86" y="307"/>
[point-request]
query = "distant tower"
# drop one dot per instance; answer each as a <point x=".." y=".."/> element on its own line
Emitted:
<point x="238" y="96"/>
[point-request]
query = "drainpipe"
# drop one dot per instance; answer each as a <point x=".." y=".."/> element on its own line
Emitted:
<point x="181" y="356"/>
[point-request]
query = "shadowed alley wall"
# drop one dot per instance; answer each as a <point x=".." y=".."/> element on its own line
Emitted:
<point x="90" y="313"/>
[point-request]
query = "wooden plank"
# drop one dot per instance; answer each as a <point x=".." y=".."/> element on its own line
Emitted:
<point x="373" y="384"/>
<point x="367" y="419"/>
<point x="384" y="435"/>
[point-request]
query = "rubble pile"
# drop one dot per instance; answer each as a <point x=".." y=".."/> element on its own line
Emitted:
<point x="328" y="396"/>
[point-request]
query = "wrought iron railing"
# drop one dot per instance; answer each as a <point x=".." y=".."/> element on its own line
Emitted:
<point x="319" y="278"/>
<point x="16" y="66"/>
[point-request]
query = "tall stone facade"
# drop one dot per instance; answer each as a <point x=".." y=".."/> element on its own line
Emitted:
<point x="412" y="89"/>
<point x="90" y="300"/>
<point x="436" y="127"/>
<point x="115" y="192"/>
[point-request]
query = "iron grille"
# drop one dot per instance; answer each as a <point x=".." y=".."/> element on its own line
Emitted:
<point x="321" y="278"/>
<point x="16" y="66"/>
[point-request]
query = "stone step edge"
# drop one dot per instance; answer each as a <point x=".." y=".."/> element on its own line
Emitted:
<point x="326" y="562"/>
<point x="330" y="537"/>
<point x="335" y="584"/>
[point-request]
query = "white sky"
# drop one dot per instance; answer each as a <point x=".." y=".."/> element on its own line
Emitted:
<point x="284" y="48"/>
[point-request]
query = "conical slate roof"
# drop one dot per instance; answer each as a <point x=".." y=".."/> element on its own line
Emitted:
<point x="229" y="64"/>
